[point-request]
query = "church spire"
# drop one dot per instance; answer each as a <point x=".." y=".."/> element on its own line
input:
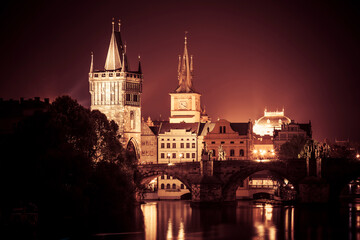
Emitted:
<point x="113" y="61"/>
<point x="185" y="70"/>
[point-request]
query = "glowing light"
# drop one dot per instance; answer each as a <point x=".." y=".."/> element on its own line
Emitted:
<point x="273" y="154"/>
<point x="255" y="151"/>
<point x="181" y="155"/>
<point x="357" y="155"/>
<point x="170" y="164"/>
<point x="168" y="155"/>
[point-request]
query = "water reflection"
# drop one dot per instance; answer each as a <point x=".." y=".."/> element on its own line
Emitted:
<point x="177" y="220"/>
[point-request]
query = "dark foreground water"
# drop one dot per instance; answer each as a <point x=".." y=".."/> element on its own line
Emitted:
<point x="177" y="220"/>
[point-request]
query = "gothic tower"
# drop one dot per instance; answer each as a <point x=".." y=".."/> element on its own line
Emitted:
<point x="185" y="101"/>
<point x="116" y="92"/>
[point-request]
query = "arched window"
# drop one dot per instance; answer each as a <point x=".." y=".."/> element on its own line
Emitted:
<point x="162" y="186"/>
<point x="132" y="119"/>
<point x="232" y="152"/>
<point x="168" y="186"/>
<point x="241" y="152"/>
<point x="174" y="186"/>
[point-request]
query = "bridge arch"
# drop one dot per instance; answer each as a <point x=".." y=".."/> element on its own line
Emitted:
<point x="154" y="174"/>
<point x="230" y="187"/>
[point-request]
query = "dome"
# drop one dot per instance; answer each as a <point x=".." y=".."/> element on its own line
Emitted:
<point x="270" y="121"/>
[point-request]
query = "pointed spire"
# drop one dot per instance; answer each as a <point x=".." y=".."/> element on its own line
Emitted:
<point x="113" y="61"/>
<point x="185" y="71"/>
<point x="92" y="63"/>
<point x="139" y="69"/>
<point x="119" y="24"/>
<point x="123" y="60"/>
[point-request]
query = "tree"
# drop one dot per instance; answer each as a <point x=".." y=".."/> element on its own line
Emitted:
<point x="292" y="149"/>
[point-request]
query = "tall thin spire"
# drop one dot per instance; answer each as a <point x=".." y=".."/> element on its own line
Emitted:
<point x="113" y="60"/>
<point x="185" y="71"/>
<point x="92" y="63"/>
<point x="123" y="59"/>
<point x="139" y="69"/>
<point x="119" y="24"/>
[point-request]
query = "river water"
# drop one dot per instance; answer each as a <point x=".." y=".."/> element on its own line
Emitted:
<point x="248" y="220"/>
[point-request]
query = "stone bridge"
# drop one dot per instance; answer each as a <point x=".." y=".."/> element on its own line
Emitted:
<point x="217" y="181"/>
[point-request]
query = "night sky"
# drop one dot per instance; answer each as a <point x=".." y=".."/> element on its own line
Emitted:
<point x="248" y="55"/>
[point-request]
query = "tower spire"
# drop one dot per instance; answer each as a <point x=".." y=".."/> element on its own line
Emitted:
<point x="185" y="71"/>
<point x="123" y="60"/>
<point x="119" y="24"/>
<point x="92" y="63"/>
<point x="113" y="61"/>
<point x="139" y="69"/>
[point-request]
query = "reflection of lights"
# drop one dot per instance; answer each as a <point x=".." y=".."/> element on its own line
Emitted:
<point x="268" y="212"/>
<point x="150" y="214"/>
<point x="170" y="164"/>
<point x="169" y="234"/>
<point x="181" y="235"/>
<point x="262" y="160"/>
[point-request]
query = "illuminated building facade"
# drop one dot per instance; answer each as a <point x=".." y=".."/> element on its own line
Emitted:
<point x="116" y="92"/>
<point x="269" y="122"/>
<point x="148" y="143"/>
<point x="234" y="138"/>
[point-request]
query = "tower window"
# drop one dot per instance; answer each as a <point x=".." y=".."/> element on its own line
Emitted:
<point x="132" y="120"/>
<point x="128" y="97"/>
<point x="135" y="98"/>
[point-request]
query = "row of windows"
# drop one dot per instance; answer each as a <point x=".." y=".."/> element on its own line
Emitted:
<point x="173" y="145"/>
<point x="147" y="153"/>
<point x="132" y="97"/>
<point x="223" y="142"/>
<point x="182" y="186"/>
<point x="117" y="75"/>
<point x="175" y="139"/>
<point x="232" y="152"/>
<point x="181" y="155"/>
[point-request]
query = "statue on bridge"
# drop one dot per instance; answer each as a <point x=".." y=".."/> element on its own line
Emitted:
<point x="222" y="153"/>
